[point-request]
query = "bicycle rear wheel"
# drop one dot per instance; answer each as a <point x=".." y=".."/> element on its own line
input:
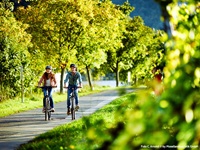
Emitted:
<point x="49" y="109"/>
<point x="46" y="108"/>
<point x="73" y="109"/>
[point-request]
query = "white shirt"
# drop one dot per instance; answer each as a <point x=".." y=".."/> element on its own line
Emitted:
<point x="48" y="83"/>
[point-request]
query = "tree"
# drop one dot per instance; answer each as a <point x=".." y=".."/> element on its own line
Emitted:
<point x="172" y="119"/>
<point x="102" y="34"/>
<point x="145" y="48"/>
<point x="14" y="44"/>
<point x="139" y="53"/>
<point x="76" y="31"/>
<point x="56" y="30"/>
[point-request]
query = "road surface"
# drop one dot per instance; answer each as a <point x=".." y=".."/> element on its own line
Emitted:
<point x="22" y="127"/>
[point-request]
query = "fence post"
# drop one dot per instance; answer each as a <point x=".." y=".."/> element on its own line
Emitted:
<point x="22" y="84"/>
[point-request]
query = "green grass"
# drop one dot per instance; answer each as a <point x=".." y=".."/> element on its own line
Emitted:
<point x="16" y="105"/>
<point x="83" y="134"/>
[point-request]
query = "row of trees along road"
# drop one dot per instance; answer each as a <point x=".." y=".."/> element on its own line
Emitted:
<point x="96" y="35"/>
<point x="101" y="35"/>
<point x="171" y="120"/>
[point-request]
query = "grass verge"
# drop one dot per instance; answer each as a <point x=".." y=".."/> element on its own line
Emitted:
<point x="80" y="134"/>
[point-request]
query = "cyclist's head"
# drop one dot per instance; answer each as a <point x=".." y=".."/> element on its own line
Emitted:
<point x="48" y="67"/>
<point x="72" y="65"/>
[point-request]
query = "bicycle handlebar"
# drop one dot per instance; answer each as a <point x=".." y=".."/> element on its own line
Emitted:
<point x="72" y="87"/>
<point x="46" y="86"/>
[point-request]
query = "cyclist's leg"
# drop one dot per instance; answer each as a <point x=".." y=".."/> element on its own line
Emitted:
<point x="44" y="92"/>
<point x="50" y="96"/>
<point x="68" y="97"/>
<point x="44" y="98"/>
<point x="69" y="91"/>
<point x="76" y="96"/>
<point x="76" y="99"/>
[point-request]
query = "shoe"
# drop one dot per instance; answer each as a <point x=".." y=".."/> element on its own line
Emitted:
<point x="76" y="108"/>
<point x="68" y="112"/>
<point x="52" y="110"/>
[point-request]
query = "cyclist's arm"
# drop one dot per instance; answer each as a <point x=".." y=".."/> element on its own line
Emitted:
<point x="54" y="77"/>
<point x="66" y="80"/>
<point x="41" y="79"/>
<point x="80" y="80"/>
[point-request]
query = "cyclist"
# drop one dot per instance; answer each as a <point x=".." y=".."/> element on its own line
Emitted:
<point x="74" y="80"/>
<point x="49" y="80"/>
<point x="158" y="77"/>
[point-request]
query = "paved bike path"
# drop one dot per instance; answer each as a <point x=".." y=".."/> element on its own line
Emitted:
<point x="22" y="127"/>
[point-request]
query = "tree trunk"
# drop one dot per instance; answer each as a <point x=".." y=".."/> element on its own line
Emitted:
<point x="61" y="79"/>
<point x="117" y="74"/>
<point x="167" y="26"/>
<point x="135" y="80"/>
<point x="89" y="77"/>
<point x="165" y="14"/>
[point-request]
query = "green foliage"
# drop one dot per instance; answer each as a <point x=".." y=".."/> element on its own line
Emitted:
<point x="14" y="43"/>
<point x="126" y="8"/>
<point x="143" y="48"/>
<point x="141" y="51"/>
<point x="172" y="118"/>
<point x="102" y="34"/>
<point x="69" y="31"/>
<point x="7" y="4"/>
<point x="183" y="72"/>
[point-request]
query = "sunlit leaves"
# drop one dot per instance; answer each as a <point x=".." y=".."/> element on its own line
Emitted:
<point x="173" y="118"/>
<point x="14" y="44"/>
<point x="182" y="69"/>
<point x="141" y="50"/>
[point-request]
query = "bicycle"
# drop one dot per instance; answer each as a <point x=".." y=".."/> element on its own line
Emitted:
<point x="72" y="99"/>
<point x="47" y="108"/>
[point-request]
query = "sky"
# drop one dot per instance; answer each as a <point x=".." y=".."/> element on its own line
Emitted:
<point x="149" y="10"/>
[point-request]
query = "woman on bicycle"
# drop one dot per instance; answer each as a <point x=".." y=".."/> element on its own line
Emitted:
<point x="49" y="81"/>
<point x="74" y="80"/>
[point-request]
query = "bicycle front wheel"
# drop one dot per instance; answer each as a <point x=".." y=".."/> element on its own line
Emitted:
<point x="49" y="109"/>
<point x="73" y="109"/>
<point x="46" y="108"/>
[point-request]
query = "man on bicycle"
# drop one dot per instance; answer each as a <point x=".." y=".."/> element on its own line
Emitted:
<point x="49" y="81"/>
<point x="74" y="80"/>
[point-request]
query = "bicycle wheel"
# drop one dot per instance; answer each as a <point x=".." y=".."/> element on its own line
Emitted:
<point x="72" y="108"/>
<point x="46" y="108"/>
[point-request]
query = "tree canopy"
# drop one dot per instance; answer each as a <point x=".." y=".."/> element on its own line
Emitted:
<point x="92" y="34"/>
<point x="14" y="44"/>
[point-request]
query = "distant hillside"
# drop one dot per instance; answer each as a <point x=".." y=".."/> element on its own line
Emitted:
<point x="149" y="10"/>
